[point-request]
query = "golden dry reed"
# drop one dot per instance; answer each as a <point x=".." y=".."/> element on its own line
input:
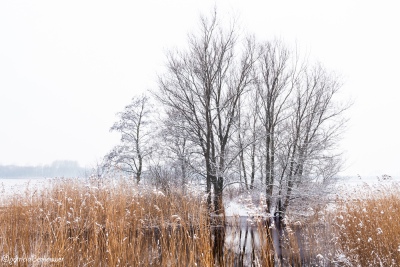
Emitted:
<point x="361" y="228"/>
<point x="71" y="222"/>
<point x="105" y="225"/>
<point x="108" y="223"/>
<point x="368" y="227"/>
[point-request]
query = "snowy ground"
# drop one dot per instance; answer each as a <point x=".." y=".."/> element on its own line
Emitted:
<point x="346" y="186"/>
<point x="13" y="185"/>
<point x="358" y="186"/>
<point x="357" y="181"/>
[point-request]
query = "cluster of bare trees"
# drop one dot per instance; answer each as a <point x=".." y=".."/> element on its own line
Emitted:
<point x="235" y="110"/>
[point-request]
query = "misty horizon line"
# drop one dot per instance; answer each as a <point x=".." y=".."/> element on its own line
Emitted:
<point x="57" y="168"/>
<point x="41" y="164"/>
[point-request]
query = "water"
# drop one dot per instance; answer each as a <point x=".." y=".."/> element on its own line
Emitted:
<point x="240" y="242"/>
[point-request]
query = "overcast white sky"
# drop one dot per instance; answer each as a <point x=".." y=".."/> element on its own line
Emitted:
<point x="67" y="67"/>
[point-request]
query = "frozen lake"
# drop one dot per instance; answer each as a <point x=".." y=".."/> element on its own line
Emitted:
<point x="18" y="184"/>
<point x="20" y="187"/>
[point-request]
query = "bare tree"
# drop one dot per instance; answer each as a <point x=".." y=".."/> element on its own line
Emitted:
<point x="301" y="122"/>
<point x="316" y="124"/>
<point x="249" y="137"/>
<point x="276" y="75"/>
<point x="178" y="149"/>
<point x="135" y="146"/>
<point x="204" y="84"/>
<point x="242" y="129"/>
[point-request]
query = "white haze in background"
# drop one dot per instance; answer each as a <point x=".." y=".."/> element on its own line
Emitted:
<point x="66" y="69"/>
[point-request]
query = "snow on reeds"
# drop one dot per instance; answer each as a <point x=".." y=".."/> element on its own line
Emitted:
<point x="105" y="224"/>
<point x="118" y="223"/>
<point x="113" y="223"/>
<point x="361" y="228"/>
<point x="368" y="225"/>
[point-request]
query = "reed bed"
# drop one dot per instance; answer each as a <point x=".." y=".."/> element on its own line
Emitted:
<point x="361" y="228"/>
<point x="368" y="226"/>
<point x="72" y="222"/>
<point x="105" y="224"/>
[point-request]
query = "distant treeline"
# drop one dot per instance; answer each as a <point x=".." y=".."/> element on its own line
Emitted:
<point x="56" y="169"/>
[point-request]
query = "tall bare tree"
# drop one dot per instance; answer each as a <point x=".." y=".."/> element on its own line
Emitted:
<point x="301" y="122"/>
<point x="249" y="137"/>
<point x="276" y="75"/>
<point x="315" y="125"/>
<point x="204" y="84"/>
<point x="135" y="146"/>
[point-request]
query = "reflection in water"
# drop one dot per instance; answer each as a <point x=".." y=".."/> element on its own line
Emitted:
<point x="239" y="241"/>
<point x="218" y="235"/>
<point x="252" y="242"/>
<point x="242" y="242"/>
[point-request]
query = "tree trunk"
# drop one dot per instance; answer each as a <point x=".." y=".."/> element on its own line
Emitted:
<point x="218" y="190"/>
<point x="243" y="168"/>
